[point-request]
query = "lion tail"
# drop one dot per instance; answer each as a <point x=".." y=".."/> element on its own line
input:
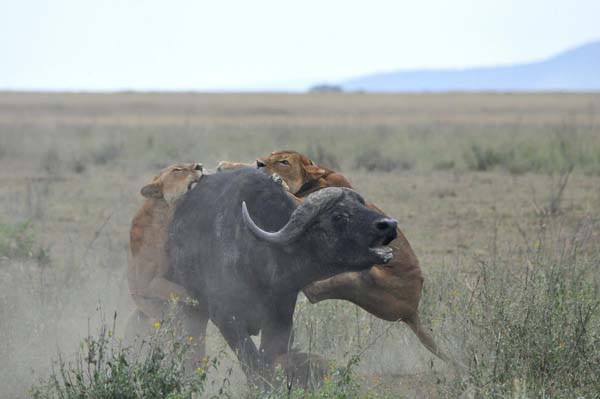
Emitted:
<point x="415" y="325"/>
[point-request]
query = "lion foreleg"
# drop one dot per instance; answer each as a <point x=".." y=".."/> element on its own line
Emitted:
<point x="226" y="165"/>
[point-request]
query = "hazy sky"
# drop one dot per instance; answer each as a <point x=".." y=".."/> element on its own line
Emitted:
<point x="270" y="44"/>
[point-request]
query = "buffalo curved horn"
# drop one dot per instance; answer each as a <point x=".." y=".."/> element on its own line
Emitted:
<point x="311" y="207"/>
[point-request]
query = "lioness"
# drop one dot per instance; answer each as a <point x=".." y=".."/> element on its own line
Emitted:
<point x="147" y="261"/>
<point x="301" y="175"/>
<point x="392" y="291"/>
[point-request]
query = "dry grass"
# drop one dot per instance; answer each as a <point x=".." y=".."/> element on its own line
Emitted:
<point x="72" y="165"/>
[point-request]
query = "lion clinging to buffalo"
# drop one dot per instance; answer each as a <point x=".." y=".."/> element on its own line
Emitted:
<point x="147" y="261"/>
<point x="243" y="246"/>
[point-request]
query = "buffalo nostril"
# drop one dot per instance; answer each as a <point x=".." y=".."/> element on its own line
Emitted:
<point x="386" y="224"/>
<point x="260" y="164"/>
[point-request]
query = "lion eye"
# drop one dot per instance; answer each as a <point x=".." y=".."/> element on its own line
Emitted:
<point x="285" y="162"/>
<point x="178" y="170"/>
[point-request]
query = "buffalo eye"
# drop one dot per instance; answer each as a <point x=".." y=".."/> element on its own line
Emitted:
<point x="337" y="217"/>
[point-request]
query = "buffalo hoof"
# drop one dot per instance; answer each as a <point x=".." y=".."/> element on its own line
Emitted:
<point x="302" y="370"/>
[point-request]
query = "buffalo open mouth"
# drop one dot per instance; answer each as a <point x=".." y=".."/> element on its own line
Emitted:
<point x="380" y="249"/>
<point x="384" y="253"/>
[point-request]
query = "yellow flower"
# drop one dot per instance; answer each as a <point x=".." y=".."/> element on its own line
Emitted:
<point x="205" y="360"/>
<point x="156" y="324"/>
<point x="190" y="338"/>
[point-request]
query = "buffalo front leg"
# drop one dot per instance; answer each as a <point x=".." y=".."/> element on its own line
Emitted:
<point x="275" y="341"/>
<point x="236" y="335"/>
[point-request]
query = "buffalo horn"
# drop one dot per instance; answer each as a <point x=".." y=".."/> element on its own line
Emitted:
<point x="300" y="218"/>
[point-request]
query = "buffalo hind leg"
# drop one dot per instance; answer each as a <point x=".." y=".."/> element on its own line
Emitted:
<point x="190" y="322"/>
<point x="194" y="323"/>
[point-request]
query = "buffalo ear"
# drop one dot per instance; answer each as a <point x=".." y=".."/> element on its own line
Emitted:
<point x="152" y="190"/>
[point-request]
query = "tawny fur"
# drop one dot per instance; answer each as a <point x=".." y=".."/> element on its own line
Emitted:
<point x="148" y="266"/>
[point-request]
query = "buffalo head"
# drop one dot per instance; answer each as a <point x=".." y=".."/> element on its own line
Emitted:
<point x="334" y="224"/>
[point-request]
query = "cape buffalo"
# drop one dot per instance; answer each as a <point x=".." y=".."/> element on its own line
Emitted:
<point x="244" y="249"/>
<point x="392" y="291"/>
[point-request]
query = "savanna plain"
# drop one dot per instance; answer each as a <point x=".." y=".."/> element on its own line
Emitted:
<point x="499" y="195"/>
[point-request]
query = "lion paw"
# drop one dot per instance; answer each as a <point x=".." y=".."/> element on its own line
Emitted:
<point x="222" y="166"/>
<point x="277" y="179"/>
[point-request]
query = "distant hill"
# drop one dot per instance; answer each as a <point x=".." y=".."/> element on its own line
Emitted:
<point x="573" y="70"/>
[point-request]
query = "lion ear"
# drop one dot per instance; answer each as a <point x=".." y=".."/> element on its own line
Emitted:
<point x="314" y="170"/>
<point x="152" y="190"/>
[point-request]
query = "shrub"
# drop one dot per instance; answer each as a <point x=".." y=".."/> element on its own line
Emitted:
<point x="340" y="383"/>
<point x="528" y="321"/>
<point x="483" y="159"/>
<point x="16" y="240"/>
<point x="105" y="369"/>
<point x="77" y="165"/>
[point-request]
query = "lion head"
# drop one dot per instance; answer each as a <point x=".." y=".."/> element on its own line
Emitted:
<point x="173" y="182"/>
<point x="294" y="168"/>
